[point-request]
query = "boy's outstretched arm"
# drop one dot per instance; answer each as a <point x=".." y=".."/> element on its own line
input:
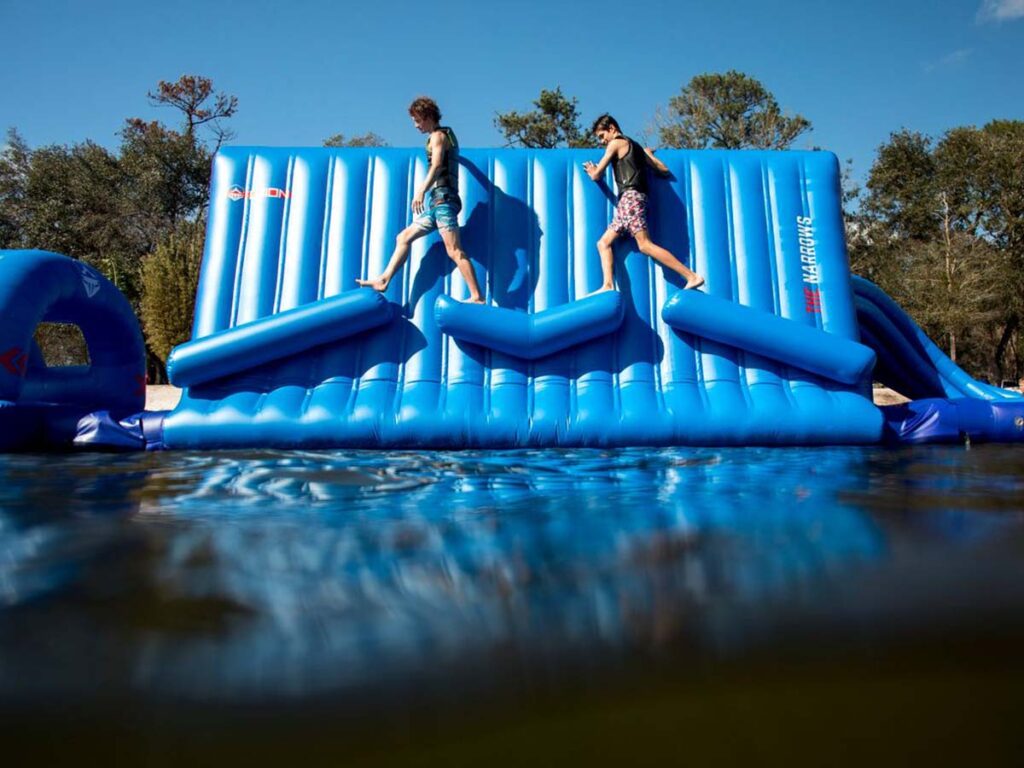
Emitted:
<point x="596" y="170"/>
<point x="654" y="162"/>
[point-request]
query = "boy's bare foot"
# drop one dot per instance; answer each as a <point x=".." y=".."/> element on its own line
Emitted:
<point x="472" y="300"/>
<point x="603" y="288"/>
<point x="694" y="282"/>
<point x="378" y="284"/>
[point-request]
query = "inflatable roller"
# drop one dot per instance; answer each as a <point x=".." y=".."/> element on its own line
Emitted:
<point x="531" y="337"/>
<point x="278" y="336"/>
<point x="774" y="337"/>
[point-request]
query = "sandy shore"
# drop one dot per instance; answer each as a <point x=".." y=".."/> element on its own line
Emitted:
<point x="161" y="397"/>
<point x="885" y="396"/>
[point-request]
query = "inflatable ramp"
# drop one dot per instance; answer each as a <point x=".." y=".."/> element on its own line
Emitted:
<point x="286" y="351"/>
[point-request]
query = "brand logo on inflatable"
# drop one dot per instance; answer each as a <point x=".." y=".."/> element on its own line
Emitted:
<point x="812" y="300"/>
<point x="236" y="193"/>
<point x="809" y="263"/>
<point x="14" y="361"/>
<point x="89" y="281"/>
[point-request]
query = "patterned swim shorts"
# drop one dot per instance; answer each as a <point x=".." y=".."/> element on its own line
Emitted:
<point x="631" y="213"/>
<point x="442" y="212"/>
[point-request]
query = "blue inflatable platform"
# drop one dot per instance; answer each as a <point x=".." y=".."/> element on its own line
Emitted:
<point x="778" y="348"/>
<point x="769" y="355"/>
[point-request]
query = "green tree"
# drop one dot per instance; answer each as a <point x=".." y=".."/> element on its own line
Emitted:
<point x="74" y="205"/>
<point x="727" y="111"/>
<point x="168" y="169"/>
<point x="902" y="186"/>
<point x="368" y="139"/>
<point x="999" y="190"/>
<point x="111" y="209"/>
<point x="942" y="231"/>
<point x="170" y="277"/>
<point x="166" y="180"/>
<point x="15" y="165"/>
<point x="194" y="97"/>
<point x="67" y="199"/>
<point x="554" y="123"/>
<point x="166" y="191"/>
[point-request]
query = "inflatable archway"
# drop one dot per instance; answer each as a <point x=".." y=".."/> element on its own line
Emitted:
<point x="40" y="286"/>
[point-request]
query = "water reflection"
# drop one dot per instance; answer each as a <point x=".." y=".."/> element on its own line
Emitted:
<point x="288" y="573"/>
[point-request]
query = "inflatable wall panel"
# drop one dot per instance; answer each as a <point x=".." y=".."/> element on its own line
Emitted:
<point x="292" y="227"/>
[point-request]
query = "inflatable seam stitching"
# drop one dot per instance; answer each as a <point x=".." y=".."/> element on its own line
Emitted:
<point x="316" y="368"/>
<point x="406" y="292"/>
<point x="282" y="242"/>
<point x="739" y="357"/>
<point x="325" y="229"/>
<point x="242" y="240"/>
<point x="570" y="264"/>
<point x="363" y="269"/>
<point x="694" y="343"/>
<point x="533" y="266"/>
<point x="771" y="256"/>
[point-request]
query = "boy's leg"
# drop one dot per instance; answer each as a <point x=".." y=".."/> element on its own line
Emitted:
<point x="401" y="253"/>
<point x="604" y="247"/>
<point x="453" y="244"/>
<point x="665" y="258"/>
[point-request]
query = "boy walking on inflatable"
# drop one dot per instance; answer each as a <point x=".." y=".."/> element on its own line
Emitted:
<point x="442" y="213"/>
<point x="629" y="164"/>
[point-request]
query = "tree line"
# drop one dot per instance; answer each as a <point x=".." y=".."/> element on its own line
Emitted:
<point x="939" y="224"/>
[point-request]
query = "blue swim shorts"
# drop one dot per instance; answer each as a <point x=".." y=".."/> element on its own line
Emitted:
<point x="442" y="212"/>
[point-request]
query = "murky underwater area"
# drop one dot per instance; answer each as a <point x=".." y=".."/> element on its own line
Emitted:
<point x="362" y="581"/>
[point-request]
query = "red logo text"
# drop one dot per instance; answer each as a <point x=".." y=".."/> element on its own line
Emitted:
<point x="237" y="193"/>
<point x="812" y="299"/>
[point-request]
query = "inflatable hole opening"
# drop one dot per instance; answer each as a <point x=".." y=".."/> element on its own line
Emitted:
<point x="61" y="345"/>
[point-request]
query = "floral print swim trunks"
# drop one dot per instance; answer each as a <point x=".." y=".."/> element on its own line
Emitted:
<point x="631" y="213"/>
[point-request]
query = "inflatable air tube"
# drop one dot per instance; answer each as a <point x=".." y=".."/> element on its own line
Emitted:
<point x="526" y="336"/>
<point x="773" y="337"/>
<point x="277" y="336"/>
<point x="942" y="420"/>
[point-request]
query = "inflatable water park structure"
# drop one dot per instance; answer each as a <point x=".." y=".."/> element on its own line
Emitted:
<point x="780" y="347"/>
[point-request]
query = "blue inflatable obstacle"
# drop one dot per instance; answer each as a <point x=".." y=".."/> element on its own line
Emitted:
<point x="947" y="405"/>
<point x="43" y="406"/>
<point x="780" y="347"/>
<point x="287" y="351"/>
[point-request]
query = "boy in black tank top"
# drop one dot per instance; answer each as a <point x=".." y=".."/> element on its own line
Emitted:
<point x="442" y="214"/>
<point x="629" y="163"/>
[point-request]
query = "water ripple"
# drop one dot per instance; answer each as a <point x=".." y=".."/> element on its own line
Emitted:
<point x="277" y="572"/>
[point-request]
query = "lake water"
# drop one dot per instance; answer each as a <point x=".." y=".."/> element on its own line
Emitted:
<point x="375" y="583"/>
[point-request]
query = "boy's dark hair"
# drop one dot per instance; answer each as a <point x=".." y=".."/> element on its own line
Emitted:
<point x="604" y="122"/>
<point x="424" y="107"/>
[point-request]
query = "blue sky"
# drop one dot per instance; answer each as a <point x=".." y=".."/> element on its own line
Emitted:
<point x="304" y="70"/>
